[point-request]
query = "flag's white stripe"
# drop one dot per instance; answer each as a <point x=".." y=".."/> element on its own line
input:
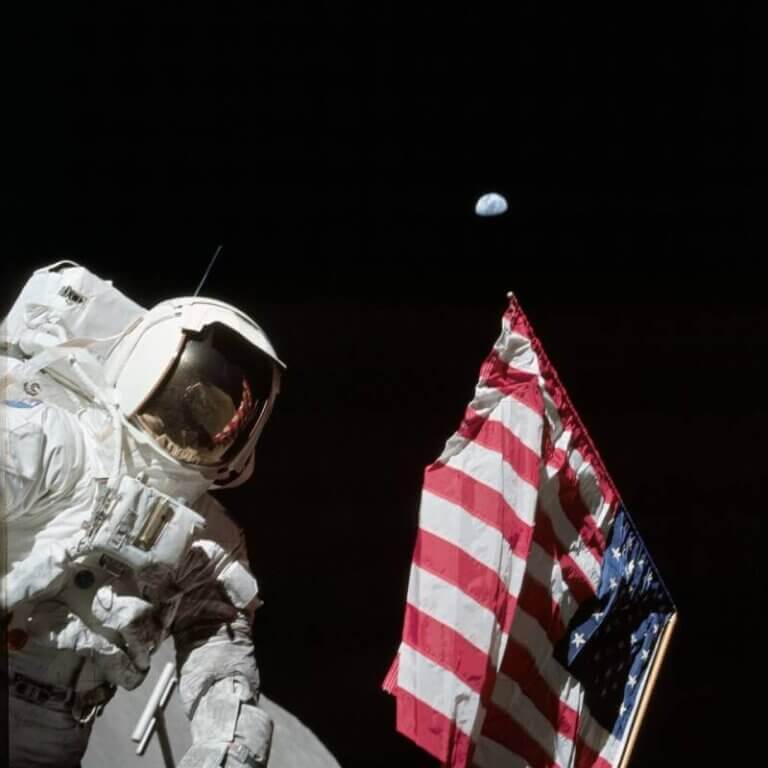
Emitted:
<point x="548" y="573"/>
<point x="516" y="350"/>
<point x="560" y="748"/>
<point x="530" y="635"/>
<point x="489" y="468"/>
<point x="438" y="687"/>
<point x="454" y="608"/>
<point x="567" y="535"/>
<point x="590" y="491"/>
<point x="527" y="632"/>
<point x="516" y="417"/>
<point x="589" y="486"/>
<point x="522" y="421"/>
<point x="562" y="444"/>
<point x="491" y="754"/>
<point x="599" y="740"/>
<point x="508" y="695"/>
<point x="551" y="414"/>
<point x="483" y="542"/>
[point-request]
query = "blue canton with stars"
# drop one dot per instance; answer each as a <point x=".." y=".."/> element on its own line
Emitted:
<point x="611" y="639"/>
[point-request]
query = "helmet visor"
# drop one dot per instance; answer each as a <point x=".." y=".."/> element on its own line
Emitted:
<point x="210" y="399"/>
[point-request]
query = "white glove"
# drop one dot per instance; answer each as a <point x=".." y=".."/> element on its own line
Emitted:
<point x="121" y="634"/>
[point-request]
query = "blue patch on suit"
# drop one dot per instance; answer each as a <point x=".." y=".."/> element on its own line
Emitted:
<point x="27" y="403"/>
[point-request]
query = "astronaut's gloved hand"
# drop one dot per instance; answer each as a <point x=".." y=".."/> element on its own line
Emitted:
<point x="120" y="635"/>
<point x="229" y="729"/>
<point x="135" y="622"/>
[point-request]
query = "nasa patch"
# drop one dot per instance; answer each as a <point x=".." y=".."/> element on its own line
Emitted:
<point x="27" y="402"/>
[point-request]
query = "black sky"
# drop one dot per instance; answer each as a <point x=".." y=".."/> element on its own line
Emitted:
<point x="337" y="152"/>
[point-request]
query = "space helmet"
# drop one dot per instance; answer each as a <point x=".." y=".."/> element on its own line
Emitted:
<point x="200" y="378"/>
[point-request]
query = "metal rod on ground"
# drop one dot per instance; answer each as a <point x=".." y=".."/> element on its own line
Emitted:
<point x="165" y="744"/>
<point x="152" y="718"/>
<point x="648" y="690"/>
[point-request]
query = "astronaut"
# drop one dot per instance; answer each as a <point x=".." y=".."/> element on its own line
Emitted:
<point x="114" y="423"/>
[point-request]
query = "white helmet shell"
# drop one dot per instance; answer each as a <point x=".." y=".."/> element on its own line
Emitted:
<point x="138" y="363"/>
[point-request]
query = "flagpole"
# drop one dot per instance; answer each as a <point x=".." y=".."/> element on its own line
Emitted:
<point x="646" y="695"/>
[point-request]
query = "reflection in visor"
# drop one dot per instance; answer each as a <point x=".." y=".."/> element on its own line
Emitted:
<point x="210" y="407"/>
<point x="211" y="425"/>
<point x="210" y="399"/>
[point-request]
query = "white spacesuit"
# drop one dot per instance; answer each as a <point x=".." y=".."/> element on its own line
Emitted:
<point x="114" y="423"/>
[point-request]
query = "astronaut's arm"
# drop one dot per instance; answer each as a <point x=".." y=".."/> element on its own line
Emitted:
<point x="22" y="458"/>
<point x="41" y="460"/>
<point x="218" y="674"/>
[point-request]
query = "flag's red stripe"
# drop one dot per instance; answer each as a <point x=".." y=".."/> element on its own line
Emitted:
<point x="537" y="601"/>
<point x="455" y="566"/>
<point x="573" y="576"/>
<point x="569" y="417"/>
<point x="577" y="512"/>
<point x="557" y="458"/>
<point x="481" y="502"/>
<point x="517" y="321"/>
<point x="586" y="757"/>
<point x="450" y="650"/>
<point x="432" y="730"/>
<point x="574" y="507"/>
<point x="446" y="647"/>
<point x="519" y="665"/>
<point x="512" y="382"/>
<point x="390" y="681"/>
<point x="495" y="436"/>
<point x="500" y="727"/>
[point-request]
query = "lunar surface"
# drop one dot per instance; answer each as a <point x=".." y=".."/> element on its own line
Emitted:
<point x="293" y="744"/>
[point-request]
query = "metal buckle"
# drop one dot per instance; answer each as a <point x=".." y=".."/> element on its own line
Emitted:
<point x="90" y="713"/>
<point x="83" y="712"/>
<point x="40" y="693"/>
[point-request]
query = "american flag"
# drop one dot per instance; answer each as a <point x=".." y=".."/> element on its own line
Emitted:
<point x="534" y="612"/>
